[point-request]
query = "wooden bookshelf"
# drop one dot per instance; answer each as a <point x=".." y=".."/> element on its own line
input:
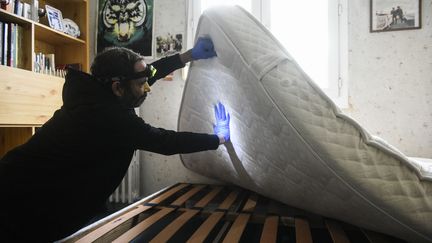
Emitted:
<point x="28" y="99"/>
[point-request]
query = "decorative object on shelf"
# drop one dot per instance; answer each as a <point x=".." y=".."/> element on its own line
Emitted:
<point x="35" y="10"/>
<point x="71" y="28"/>
<point x="4" y="3"/>
<point x="395" y="15"/>
<point x="55" y="18"/>
<point x="127" y="23"/>
<point x="41" y="12"/>
<point x="168" y="45"/>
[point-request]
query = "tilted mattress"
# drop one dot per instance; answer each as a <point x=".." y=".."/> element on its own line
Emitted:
<point x="290" y="142"/>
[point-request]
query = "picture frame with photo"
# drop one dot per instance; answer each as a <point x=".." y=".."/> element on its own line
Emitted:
<point x="169" y="44"/>
<point x="55" y="18"/>
<point x="392" y="15"/>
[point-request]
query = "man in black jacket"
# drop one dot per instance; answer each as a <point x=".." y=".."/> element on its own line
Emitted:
<point x="56" y="182"/>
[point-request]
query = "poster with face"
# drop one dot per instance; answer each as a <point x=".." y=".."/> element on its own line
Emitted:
<point x="126" y="23"/>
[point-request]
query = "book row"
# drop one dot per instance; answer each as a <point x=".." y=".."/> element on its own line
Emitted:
<point x="11" y="41"/>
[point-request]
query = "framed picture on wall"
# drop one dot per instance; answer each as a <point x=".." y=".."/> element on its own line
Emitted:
<point x="126" y="24"/>
<point x="390" y="15"/>
<point x="168" y="44"/>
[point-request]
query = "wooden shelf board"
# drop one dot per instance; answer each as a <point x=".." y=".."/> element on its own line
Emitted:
<point x="10" y="17"/>
<point x="50" y="35"/>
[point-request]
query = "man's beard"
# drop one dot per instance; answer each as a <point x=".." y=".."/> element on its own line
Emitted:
<point x="132" y="101"/>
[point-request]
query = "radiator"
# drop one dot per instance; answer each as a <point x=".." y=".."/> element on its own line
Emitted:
<point x="129" y="189"/>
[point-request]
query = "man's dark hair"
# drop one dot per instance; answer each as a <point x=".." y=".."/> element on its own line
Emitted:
<point x="115" y="62"/>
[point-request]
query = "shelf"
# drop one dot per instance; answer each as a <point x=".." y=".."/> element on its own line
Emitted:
<point x="52" y="36"/>
<point x="10" y="17"/>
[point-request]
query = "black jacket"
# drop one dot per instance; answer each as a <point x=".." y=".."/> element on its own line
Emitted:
<point x="58" y="180"/>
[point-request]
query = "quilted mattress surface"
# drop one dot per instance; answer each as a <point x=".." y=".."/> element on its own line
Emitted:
<point x="290" y="142"/>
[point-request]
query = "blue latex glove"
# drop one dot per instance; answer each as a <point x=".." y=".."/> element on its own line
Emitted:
<point x="221" y="128"/>
<point x="203" y="49"/>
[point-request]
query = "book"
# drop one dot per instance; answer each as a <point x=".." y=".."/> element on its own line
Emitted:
<point x="50" y="63"/>
<point x="5" y="43"/>
<point x="34" y="10"/>
<point x="20" y="9"/>
<point x="20" y="56"/>
<point x="15" y="7"/>
<point x="1" y="43"/>
<point x="16" y="51"/>
<point x="11" y="61"/>
<point x="27" y="13"/>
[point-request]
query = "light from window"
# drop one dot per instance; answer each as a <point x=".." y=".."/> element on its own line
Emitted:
<point x="246" y="4"/>
<point x="302" y="28"/>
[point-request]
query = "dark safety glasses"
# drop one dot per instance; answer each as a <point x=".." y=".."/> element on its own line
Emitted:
<point x="148" y="73"/>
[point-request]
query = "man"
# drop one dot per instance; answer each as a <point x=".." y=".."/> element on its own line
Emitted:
<point x="394" y="16"/>
<point x="56" y="182"/>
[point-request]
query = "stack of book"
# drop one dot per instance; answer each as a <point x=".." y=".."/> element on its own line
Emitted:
<point x="11" y="44"/>
<point x="20" y="8"/>
<point x="45" y="63"/>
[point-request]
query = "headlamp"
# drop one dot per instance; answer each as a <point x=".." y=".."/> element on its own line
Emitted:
<point x="148" y="73"/>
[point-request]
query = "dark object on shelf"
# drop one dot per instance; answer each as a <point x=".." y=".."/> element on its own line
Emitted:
<point x="41" y="12"/>
<point x="3" y="3"/>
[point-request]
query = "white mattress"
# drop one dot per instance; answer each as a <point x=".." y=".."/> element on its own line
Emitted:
<point x="290" y="142"/>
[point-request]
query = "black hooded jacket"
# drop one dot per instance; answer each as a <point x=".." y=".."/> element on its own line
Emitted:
<point x="57" y="181"/>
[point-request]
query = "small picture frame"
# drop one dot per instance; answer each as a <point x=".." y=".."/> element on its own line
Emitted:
<point x="55" y="18"/>
<point x="391" y="15"/>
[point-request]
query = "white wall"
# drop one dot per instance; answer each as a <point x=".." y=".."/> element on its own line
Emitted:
<point x="390" y="87"/>
<point x="390" y="80"/>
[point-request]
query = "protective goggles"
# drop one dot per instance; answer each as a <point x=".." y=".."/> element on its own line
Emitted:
<point x="148" y="73"/>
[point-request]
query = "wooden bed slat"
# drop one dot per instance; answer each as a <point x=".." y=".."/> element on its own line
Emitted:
<point x="99" y="232"/>
<point x="250" y="203"/>
<point x="173" y="227"/>
<point x="336" y="232"/>
<point x="206" y="200"/>
<point x="303" y="232"/>
<point x="187" y="195"/>
<point x="229" y="200"/>
<point x="269" y="233"/>
<point x="236" y="230"/>
<point x="92" y="236"/>
<point x="139" y="228"/>
<point x="168" y="193"/>
<point x="204" y="230"/>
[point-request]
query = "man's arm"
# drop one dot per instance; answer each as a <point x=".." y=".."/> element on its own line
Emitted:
<point x="165" y="66"/>
<point x="158" y="140"/>
<point x="203" y="49"/>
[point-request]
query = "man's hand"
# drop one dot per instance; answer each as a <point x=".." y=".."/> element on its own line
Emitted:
<point x="221" y="128"/>
<point x="203" y="49"/>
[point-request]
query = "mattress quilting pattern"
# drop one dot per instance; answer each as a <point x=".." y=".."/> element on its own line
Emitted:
<point x="290" y="142"/>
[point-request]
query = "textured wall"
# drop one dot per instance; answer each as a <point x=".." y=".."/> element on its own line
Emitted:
<point x="161" y="108"/>
<point x="390" y="80"/>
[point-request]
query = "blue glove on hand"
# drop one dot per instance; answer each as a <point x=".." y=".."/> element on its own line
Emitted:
<point x="221" y="128"/>
<point x="203" y="49"/>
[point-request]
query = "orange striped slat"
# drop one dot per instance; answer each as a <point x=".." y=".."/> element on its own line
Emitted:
<point x="139" y="228"/>
<point x="236" y="230"/>
<point x="303" y="232"/>
<point x="187" y="195"/>
<point x="269" y="233"/>
<point x="204" y="230"/>
<point x="172" y="228"/>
